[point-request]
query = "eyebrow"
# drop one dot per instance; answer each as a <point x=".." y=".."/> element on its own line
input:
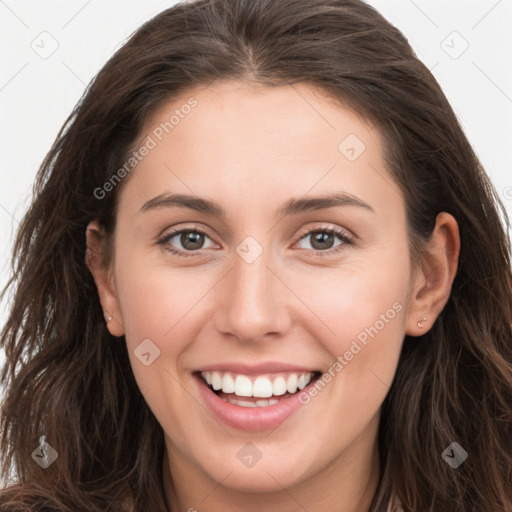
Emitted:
<point x="291" y="207"/>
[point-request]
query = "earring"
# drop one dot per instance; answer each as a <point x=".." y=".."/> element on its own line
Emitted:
<point x="107" y="319"/>
<point x="420" y="322"/>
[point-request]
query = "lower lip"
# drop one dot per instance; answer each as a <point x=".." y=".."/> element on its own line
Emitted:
<point x="249" y="418"/>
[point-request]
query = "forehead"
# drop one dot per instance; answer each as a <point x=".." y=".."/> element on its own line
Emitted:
<point x="245" y="143"/>
<point x="233" y="116"/>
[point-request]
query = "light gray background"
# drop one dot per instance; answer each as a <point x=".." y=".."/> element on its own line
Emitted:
<point x="38" y="90"/>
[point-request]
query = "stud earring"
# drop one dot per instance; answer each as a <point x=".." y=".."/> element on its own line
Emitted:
<point x="420" y="321"/>
<point x="107" y="319"/>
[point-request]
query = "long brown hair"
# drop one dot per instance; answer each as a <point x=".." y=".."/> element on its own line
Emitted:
<point x="66" y="378"/>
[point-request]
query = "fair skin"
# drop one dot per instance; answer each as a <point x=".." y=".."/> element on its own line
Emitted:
<point x="251" y="150"/>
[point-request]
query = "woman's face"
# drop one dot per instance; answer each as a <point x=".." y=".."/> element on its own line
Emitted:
<point x="293" y="260"/>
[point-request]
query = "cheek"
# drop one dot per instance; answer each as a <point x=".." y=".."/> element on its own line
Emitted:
<point x="362" y="328"/>
<point x="157" y="304"/>
<point x="361" y="301"/>
<point x="356" y="301"/>
<point x="362" y="312"/>
<point x="157" y="300"/>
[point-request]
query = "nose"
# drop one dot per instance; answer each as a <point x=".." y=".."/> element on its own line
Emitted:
<point x="253" y="302"/>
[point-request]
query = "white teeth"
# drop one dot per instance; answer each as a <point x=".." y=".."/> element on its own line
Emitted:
<point x="243" y="386"/>
<point x="242" y="403"/>
<point x="291" y="383"/>
<point x="279" y="386"/>
<point x="228" y="384"/>
<point x="258" y="403"/>
<point x="303" y="381"/>
<point x="216" y="381"/>
<point x="262" y="387"/>
<point x="266" y="403"/>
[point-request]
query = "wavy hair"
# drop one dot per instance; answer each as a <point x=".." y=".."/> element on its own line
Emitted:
<point x="67" y="379"/>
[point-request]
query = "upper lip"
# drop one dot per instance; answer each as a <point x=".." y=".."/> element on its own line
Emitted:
<point x="255" y="369"/>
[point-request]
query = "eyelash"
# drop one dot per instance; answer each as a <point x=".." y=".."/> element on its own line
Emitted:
<point x="344" y="237"/>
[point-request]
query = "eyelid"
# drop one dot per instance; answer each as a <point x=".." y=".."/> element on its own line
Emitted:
<point x="322" y="226"/>
<point x="163" y="238"/>
<point x="345" y="235"/>
<point x="194" y="227"/>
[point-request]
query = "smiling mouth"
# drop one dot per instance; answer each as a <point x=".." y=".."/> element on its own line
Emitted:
<point x="259" y="390"/>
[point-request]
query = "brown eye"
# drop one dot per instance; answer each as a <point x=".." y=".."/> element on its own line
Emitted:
<point x="324" y="240"/>
<point x="185" y="241"/>
<point x="191" y="240"/>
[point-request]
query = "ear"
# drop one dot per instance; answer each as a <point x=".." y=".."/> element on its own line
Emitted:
<point x="103" y="277"/>
<point x="433" y="279"/>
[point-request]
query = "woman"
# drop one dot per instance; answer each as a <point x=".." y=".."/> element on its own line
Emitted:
<point x="263" y="270"/>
